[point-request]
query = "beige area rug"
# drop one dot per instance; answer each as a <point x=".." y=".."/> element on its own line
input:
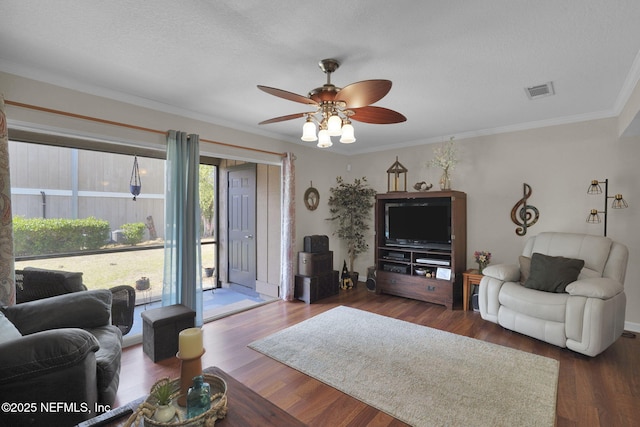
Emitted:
<point x="420" y="375"/>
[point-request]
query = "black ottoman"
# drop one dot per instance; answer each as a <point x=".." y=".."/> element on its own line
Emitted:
<point x="160" y="329"/>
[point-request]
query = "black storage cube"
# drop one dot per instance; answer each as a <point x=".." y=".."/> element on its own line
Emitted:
<point x="313" y="264"/>
<point x="318" y="243"/>
<point x="160" y="329"/>
<point x="312" y="288"/>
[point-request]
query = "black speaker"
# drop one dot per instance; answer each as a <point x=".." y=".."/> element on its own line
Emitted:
<point x="371" y="278"/>
<point x="475" y="304"/>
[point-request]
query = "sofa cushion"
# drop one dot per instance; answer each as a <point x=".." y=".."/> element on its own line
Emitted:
<point x="39" y="283"/>
<point x="108" y="360"/>
<point x="8" y="332"/>
<point x="599" y="287"/>
<point x="505" y="272"/>
<point x="85" y="310"/>
<point x="594" y="250"/>
<point x="552" y="273"/>
<point x="548" y="306"/>
<point x="43" y="352"/>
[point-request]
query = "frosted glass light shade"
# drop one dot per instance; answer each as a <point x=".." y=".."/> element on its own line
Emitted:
<point x="324" y="140"/>
<point x="348" y="134"/>
<point x="309" y="131"/>
<point x="334" y="125"/>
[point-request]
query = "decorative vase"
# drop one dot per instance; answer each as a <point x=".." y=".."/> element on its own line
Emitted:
<point x="198" y="397"/>
<point x="445" y="180"/>
<point x="164" y="413"/>
<point x="481" y="266"/>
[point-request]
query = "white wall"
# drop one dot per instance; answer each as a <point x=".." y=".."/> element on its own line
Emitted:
<point x="320" y="168"/>
<point x="558" y="162"/>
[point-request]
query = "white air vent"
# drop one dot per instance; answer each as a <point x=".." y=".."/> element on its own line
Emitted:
<point x="540" y="91"/>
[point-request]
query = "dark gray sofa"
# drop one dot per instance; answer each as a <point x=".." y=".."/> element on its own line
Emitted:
<point x="69" y="352"/>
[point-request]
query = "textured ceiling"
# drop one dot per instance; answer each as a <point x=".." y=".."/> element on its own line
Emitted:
<point x="458" y="67"/>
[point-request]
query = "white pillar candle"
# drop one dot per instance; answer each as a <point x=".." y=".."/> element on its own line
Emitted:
<point x="190" y="343"/>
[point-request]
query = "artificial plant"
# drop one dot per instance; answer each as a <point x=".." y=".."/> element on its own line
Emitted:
<point x="163" y="391"/>
<point x="350" y="206"/>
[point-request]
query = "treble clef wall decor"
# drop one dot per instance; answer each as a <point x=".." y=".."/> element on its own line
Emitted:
<point x="524" y="216"/>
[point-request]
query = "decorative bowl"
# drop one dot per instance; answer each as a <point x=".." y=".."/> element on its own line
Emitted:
<point x="420" y="271"/>
<point x="218" y="409"/>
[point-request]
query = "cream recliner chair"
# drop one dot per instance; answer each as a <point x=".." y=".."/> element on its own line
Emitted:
<point x="587" y="317"/>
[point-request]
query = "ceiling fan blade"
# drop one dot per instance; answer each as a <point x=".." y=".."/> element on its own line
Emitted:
<point x="377" y="115"/>
<point x="361" y="94"/>
<point x="284" y="118"/>
<point x="287" y="95"/>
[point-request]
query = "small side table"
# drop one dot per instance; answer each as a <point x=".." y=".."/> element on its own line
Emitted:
<point x="469" y="278"/>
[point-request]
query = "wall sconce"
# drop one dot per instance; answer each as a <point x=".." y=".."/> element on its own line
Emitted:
<point x="618" y="202"/>
<point x="394" y="181"/>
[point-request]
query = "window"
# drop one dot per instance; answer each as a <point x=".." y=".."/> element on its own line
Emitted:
<point x="121" y="240"/>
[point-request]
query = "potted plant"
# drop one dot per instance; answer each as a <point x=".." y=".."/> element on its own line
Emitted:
<point x="163" y="392"/>
<point x="143" y="283"/>
<point x="350" y="206"/>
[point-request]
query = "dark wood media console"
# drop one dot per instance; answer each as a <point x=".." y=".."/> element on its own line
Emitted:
<point x="426" y="272"/>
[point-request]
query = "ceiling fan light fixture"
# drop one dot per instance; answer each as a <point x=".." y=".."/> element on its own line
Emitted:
<point x="348" y="134"/>
<point x="335" y="106"/>
<point x="334" y="125"/>
<point x="324" y="140"/>
<point x="309" y="131"/>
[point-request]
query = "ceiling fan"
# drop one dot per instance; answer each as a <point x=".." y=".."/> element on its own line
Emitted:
<point x="335" y="107"/>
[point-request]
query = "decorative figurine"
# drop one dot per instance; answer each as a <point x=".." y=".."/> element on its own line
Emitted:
<point x="345" y="278"/>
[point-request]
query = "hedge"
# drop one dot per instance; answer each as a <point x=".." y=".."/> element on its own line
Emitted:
<point x="133" y="232"/>
<point x="39" y="236"/>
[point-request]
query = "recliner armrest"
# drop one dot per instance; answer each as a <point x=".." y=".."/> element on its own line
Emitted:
<point x="504" y="272"/>
<point x="595" y="287"/>
<point x="85" y="310"/>
<point x="43" y="352"/>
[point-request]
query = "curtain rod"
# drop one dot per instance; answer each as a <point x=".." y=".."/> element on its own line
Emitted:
<point x="126" y="125"/>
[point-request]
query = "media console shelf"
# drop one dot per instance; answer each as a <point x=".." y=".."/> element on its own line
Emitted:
<point x="413" y="260"/>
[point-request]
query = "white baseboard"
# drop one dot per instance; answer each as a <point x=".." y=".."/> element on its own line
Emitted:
<point x="633" y="327"/>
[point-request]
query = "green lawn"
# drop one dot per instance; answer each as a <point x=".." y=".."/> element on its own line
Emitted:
<point x="109" y="269"/>
<point x="106" y="270"/>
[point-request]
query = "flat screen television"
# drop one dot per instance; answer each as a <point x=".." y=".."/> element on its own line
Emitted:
<point x="418" y="224"/>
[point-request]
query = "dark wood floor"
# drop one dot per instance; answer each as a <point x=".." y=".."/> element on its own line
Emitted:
<point x="601" y="391"/>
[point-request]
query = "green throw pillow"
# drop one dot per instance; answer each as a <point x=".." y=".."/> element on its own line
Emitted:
<point x="552" y="273"/>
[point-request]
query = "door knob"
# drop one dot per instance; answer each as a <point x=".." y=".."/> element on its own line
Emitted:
<point x="248" y="236"/>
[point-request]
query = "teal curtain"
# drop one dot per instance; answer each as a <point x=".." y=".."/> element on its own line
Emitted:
<point x="182" y="282"/>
